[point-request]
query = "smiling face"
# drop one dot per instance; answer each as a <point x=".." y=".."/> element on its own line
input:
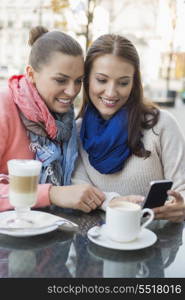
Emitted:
<point x="58" y="82"/>
<point x="110" y="84"/>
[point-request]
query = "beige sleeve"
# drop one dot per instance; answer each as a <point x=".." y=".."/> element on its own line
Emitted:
<point x="172" y="152"/>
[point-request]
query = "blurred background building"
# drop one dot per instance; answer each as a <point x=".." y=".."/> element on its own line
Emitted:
<point x="154" y="26"/>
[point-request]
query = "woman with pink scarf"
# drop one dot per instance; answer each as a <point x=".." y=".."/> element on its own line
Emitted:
<point x="37" y="120"/>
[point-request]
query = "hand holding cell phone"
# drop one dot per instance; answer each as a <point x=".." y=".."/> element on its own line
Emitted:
<point x="157" y="194"/>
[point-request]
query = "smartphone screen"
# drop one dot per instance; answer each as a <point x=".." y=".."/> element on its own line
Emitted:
<point x="157" y="194"/>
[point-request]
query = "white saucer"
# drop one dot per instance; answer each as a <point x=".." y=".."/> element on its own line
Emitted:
<point x="44" y="223"/>
<point x="145" y="239"/>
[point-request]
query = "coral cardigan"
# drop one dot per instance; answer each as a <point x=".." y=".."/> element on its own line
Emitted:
<point x="14" y="143"/>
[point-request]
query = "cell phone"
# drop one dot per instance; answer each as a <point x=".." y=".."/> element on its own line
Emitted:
<point x="157" y="194"/>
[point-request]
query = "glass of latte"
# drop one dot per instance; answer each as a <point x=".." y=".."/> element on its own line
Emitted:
<point x="23" y="183"/>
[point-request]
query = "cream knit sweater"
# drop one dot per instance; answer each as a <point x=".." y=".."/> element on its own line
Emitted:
<point x="167" y="161"/>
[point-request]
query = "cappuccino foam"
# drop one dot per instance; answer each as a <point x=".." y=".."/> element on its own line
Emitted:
<point x="125" y="206"/>
<point x="24" y="167"/>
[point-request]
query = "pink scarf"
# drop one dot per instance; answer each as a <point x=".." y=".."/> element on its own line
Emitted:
<point x="28" y="100"/>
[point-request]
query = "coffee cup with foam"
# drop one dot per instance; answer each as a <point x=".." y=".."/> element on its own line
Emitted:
<point x="123" y="220"/>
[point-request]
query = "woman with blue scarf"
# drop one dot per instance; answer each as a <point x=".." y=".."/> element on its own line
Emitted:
<point x="125" y="141"/>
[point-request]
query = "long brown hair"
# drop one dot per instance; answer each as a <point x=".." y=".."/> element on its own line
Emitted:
<point x="142" y="114"/>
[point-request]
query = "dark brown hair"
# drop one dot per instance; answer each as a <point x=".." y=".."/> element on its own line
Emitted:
<point x="141" y="114"/>
<point x="45" y="43"/>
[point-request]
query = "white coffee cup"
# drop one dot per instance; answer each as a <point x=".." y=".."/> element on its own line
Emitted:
<point x="123" y="220"/>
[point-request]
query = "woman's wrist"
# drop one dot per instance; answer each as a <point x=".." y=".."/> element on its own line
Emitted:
<point x="53" y="194"/>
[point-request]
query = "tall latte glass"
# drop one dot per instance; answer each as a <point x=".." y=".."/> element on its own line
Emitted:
<point x="23" y="182"/>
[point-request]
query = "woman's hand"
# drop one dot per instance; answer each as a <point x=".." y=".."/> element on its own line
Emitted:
<point x="84" y="197"/>
<point x="173" y="210"/>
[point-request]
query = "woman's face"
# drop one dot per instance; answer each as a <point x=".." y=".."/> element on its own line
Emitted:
<point x="59" y="82"/>
<point x="110" y="84"/>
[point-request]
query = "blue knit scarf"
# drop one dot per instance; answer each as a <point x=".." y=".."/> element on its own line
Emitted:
<point x="106" y="141"/>
<point x="57" y="156"/>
